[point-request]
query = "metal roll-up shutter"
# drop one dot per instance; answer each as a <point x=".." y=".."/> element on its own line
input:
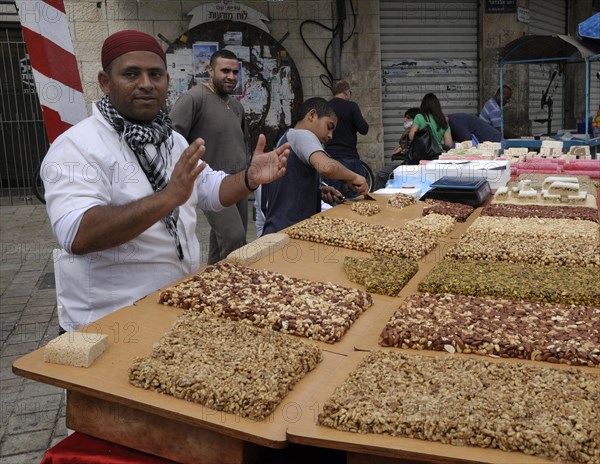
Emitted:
<point x="547" y="17"/>
<point x="427" y="46"/>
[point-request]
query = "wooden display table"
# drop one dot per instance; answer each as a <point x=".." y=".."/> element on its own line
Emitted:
<point x="102" y="403"/>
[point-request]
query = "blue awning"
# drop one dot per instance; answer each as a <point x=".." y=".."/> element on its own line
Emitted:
<point x="590" y="28"/>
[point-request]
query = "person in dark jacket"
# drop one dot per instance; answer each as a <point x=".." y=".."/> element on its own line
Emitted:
<point x="342" y="147"/>
<point x="464" y="126"/>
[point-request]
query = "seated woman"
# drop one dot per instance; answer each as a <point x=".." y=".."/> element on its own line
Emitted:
<point x="431" y="115"/>
<point x="402" y="148"/>
<point x="399" y="153"/>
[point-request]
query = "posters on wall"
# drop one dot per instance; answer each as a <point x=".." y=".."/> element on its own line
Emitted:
<point x="201" y="52"/>
<point x="500" y="6"/>
<point x="189" y="67"/>
<point x="269" y="86"/>
<point x="181" y="70"/>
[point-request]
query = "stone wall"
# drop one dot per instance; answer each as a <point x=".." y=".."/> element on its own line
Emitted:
<point x="497" y="30"/>
<point x="92" y="22"/>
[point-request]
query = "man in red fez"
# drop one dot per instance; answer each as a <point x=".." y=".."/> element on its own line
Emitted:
<point x="122" y="188"/>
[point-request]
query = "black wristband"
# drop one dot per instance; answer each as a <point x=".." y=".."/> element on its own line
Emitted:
<point x="248" y="183"/>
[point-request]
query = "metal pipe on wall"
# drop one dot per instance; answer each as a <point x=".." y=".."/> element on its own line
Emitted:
<point x="338" y="36"/>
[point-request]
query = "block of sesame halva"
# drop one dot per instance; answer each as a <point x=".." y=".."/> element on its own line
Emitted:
<point x="259" y="248"/>
<point x="78" y="349"/>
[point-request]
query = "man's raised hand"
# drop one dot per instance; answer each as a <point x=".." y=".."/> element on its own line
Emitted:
<point x="266" y="167"/>
<point x="186" y="171"/>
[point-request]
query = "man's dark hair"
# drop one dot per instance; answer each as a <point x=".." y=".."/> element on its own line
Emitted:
<point x="320" y="105"/>
<point x="412" y="112"/>
<point x="227" y="54"/>
<point x="505" y="87"/>
<point x="340" y="86"/>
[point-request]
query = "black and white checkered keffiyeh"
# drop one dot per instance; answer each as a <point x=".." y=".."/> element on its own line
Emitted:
<point x="137" y="137"/>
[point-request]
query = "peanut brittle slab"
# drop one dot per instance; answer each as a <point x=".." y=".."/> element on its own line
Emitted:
<point x="458" y="211"/>
<point x="537" y="211"/>
<point x="555" y="333"/>
<point x="417" y="238"/>
<point x="471" y="402"/>
<point x="317" y="310"/>
<point x="560" y="242"/>
<point x="225" y="365"/>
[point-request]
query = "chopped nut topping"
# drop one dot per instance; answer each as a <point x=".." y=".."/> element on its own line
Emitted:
<point x="317" y="310"/>
<point x="527" y="211"/>
<point x="469" y="402"/>
<point x="497" y="327"/>
<point x="365" y="209"/>
<point x="517" y="281"/>
<point x="417" y="238"/>
<point x="381" y="275"/>
<point x="531" y="240"/>
<point x="225" y="365"/>
<point x="458" y="211"/>
<point x="401" y="200"/>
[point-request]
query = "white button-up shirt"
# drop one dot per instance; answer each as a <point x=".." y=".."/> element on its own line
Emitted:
<point x="88" y="166"/>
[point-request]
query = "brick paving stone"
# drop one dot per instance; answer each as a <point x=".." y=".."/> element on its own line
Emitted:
<point x="3" y="334"/>
<point x="26" y="333"/>
<point x="25" y="329"/>
<point x="19" y="290"/>
<point x="26" y="277"/>
<point x="9" y="258"/>
<point x="44" y="303"/>
<point x="6" y="363"/>
<point x="13" y="384"/>
<point x="7" y="360"/>
<point x="26" y="458"/>
<point x="40" y="403"/>
<point x="12" y="301"/>
<point x="20" y="349"/>
<point x="8" y="404"/>
<point x="10" y="320"/>
<point x="10" y="308"/>
<point x="60" y="427"/>
<point x="34" y="265"/>
<point x="33" y="389"/>
<point x="26" y="442"/>
<point x="43" y="295"/>
<point x="32" y="422"/>
<point x="42" y="317"/>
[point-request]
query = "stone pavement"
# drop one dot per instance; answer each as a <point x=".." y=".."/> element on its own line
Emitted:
<point x="32" y="414"/>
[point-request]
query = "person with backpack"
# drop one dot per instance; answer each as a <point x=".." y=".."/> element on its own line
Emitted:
<point x="431" y="116"/>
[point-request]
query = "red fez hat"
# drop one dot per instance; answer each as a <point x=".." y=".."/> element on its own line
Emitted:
<point x="122" y="42"/>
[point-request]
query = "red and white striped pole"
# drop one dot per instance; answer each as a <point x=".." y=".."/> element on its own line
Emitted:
<point x="52" y="58"/>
